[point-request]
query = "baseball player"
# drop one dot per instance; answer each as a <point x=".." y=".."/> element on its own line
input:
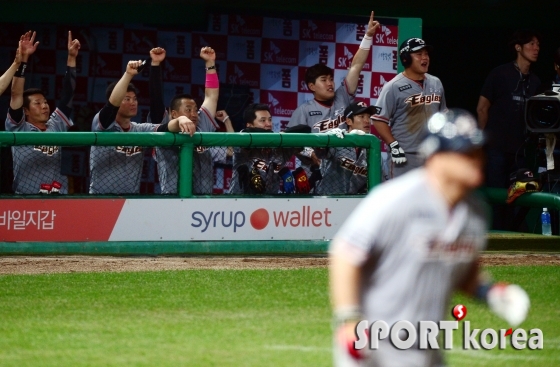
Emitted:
<point x="203" y="120"/>
<point x="345" y="169"/>
<point x="407" y="102"/>
<point x="117" y="170"/>
<point x="255" y="170"/>
<point x="324" y="111"/>
<point x="37" y="168"/>
<point x="411" y="243"/>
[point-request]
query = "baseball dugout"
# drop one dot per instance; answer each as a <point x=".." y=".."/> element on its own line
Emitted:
<point x="176" y="165"/>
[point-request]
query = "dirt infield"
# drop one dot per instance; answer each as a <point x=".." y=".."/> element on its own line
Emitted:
<point x="73" y="264"/>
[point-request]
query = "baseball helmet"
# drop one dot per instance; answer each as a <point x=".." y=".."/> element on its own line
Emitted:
<point x="453" y="131"/>
<point x="409" y="46"/>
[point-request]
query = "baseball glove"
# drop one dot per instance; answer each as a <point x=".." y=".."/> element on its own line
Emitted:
<point x="518" y="188"/>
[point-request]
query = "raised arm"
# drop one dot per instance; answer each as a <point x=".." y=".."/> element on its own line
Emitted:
<point x="6" y="78"/>
<point x="69" y="84"/>
<point x="119" y="91"/>
<point x="361" y="56"/>
<point x="223" y="117"/>
<point x="27" y="46"/>
<point x="212" y="83"/>
<point x="109" y="112"/>
<point x="157" y="105"/>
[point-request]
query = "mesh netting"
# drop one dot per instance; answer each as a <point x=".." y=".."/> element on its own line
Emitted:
<point x="130" y="170"/>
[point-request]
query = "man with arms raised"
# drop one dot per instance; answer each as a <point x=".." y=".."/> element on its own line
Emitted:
<point x="117" y="170"/>
<point x="324" y="111"/>
<point x="37" y="168"/>
<point x="202" y="121"/>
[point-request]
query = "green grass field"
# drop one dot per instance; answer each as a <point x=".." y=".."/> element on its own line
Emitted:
<point x="219" y="318"/>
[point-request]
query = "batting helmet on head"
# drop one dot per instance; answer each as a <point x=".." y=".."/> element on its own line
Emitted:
<point x="453" y="131"/>
<point x="409" y="46"/>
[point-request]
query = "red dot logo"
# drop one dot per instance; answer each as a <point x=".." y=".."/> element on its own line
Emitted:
<point x="259" y="219"/>
<point x="459" y="312"/>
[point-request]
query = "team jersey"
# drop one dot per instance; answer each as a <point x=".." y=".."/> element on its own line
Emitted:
<point x="344" y="171"/>
<point x="406" y="106"/>
<point x="320" y="117"/>
<point x="415" y="252"/>
<point x="167" y="159"/>
<point x="36" y="165"/>
<point x="117" y="170"/>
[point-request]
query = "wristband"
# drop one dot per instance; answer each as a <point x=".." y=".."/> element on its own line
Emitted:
<point x="20" y="72"/>
<point x="210" y="67"/>
<point x="227" y="117"/>
<point x="345" y="314"/>
<point x="212" y="81"/>
<point x="366" y="43"/>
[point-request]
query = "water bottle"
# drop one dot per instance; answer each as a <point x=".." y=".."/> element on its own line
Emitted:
<point x="545" y="219"/>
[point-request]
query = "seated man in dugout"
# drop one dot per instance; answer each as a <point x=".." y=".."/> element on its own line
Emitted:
<point x="263" y="170"/>
<point x="345" y="169"/>
<point x="37" y="168"/>
<point x="117" y="170"/>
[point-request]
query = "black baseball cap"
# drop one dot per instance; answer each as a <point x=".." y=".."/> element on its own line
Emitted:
<point x="522" y="175"/>
<point x="358" y="108"/>
<point x="414" y="44"/>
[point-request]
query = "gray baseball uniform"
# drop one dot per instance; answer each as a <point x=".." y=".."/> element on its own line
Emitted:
<point x="36" y="165"/>
<point x="406" y="106"/>
<point x="117" y="170"/>
<point x="413" y="252"/>
<point x="167" y="159"/>
<point x="344" y="171"/>
<point x="320" y="117"/>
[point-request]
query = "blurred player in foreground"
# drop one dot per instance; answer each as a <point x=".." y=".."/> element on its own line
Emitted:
<point x="412" y="242"/>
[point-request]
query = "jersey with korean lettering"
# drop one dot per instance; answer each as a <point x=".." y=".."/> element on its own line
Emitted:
<point x="414" y="252"/>
<point x="321" y="117"/>
<point x="117" y="170"/>
<point x="406" y="106"/>
<point x="37" y="165"/>
<point x="344" y="171"/>
<point x="167" y="159"/>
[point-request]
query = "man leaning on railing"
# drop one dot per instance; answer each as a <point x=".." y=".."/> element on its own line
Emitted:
<point x="117" y="170"/>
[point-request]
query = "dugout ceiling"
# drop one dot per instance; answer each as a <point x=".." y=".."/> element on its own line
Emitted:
<point x="439" y="13"/>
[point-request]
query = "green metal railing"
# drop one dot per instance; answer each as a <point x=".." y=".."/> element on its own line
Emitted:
<point x="187" y="144"/>
<point x="531" y="199"/>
